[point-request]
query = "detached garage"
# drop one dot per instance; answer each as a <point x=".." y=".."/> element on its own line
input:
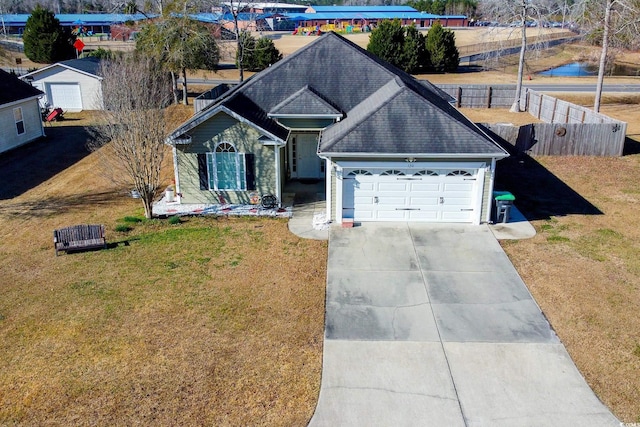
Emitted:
<point x="73" y="85"/>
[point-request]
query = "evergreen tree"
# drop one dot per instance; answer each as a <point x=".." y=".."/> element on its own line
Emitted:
<point x="416" y="58"/>
<point x="441" y="45"/>
<point x="387" y="42"/>
<point x="45" y="40"/>
<point x="245" y="57"/>
<point x="266" y="53"/>
<point x="258" y="53"/>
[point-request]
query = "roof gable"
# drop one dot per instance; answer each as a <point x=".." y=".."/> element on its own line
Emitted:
<point x="13" y="89"/>
<point x="89" y="66"/>
<point x="396" y="120"/>
<point x="305" y="102"/>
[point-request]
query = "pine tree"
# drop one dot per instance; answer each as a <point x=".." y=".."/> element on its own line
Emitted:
<point x="416" y="58"/>
<point x="266" y="53"/>
<point x="45" y="40"/>
<point x="441" y="45"/>
<point x="387" y="42"/>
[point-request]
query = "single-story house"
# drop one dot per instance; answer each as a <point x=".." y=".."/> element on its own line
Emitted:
<point x="389" y="147"/>
<point x="73" y="85"/>
<point x="20" y="118"/>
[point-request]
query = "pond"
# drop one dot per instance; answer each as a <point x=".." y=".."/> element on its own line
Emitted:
<point x="579" y="69"/>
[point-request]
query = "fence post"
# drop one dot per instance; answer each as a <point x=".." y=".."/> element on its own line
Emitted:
<point x="459" y="97"/>
<point x="489" y="90"/>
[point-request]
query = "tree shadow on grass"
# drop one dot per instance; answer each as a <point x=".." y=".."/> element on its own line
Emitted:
<point x="539" y="193"/>
<point x="45" y="207"/>
<point x="28" y="166"/>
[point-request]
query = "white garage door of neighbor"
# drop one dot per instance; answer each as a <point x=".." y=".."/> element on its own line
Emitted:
<point x="65" y="96"/>
<point x="422" y="194"/>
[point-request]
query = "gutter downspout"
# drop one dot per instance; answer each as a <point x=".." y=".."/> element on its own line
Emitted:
<point x="276" y="151"/>
<point x="490" y="195"/>
<point x="176" y="174"/>
<point x="327" y="186"/>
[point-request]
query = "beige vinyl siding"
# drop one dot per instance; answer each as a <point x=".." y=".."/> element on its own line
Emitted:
<point x="205" y="137"/>
<point x="31" y="119"/>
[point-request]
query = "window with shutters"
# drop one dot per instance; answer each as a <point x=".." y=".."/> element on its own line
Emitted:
<point x="226" y="169"/>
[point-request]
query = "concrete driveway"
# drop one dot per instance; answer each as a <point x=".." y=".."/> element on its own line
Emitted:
<point x="430" y="325"/>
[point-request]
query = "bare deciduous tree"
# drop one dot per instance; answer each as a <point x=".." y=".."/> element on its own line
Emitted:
<point x="519" y="14"/>
<point x="131" y="135"/>
<point x="613" y="22"/>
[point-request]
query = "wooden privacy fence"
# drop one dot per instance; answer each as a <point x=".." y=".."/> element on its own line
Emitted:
<point x="554" y="139"/>
<point x="481" y="96"/>
<point x="569" y="130"/>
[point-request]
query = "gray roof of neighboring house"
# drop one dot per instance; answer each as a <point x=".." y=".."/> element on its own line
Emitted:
<point x="13" y="89"/>
<point x="385" y="110"/>
<point x="88" y="65"/>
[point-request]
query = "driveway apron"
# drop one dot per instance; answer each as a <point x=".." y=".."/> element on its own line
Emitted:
<point x="430" y="325"/>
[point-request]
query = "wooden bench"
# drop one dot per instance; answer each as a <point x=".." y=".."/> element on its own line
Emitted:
<point x="79" y="237"/>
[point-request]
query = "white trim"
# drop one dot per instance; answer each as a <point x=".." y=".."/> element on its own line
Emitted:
<point x="456" y="156"/>
<point x="20" y="101"/>
<point x="276" y="151"/>
<point x="490" y="190"/>
<point x="478" y="196"/>
<point x="327" y="187"/>
<point x="176" y="173"/>
<point x="305" y="116"/>
<point x="409" y="165"/>
<point x="15" y="122"/>
<point x="58" y="64"/>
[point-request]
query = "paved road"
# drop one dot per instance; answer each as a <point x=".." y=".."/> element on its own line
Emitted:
<point x="430" y="325"/>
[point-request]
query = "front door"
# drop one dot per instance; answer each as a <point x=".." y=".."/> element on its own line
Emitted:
<point x="305" y="162"/>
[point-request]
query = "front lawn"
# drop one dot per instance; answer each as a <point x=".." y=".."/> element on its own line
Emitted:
<point x="206" y="322"/>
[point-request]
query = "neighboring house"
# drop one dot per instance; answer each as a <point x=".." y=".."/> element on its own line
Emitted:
<point x="20" y="119"/>
<point x="390" y="148"/>
<point x="72" y="85"/>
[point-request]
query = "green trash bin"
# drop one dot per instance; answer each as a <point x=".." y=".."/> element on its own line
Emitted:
<point x="504" y="202"/>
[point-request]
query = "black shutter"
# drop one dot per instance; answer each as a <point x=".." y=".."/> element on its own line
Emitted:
<point x="203" y="171"/>
<point x="250" y="170"/>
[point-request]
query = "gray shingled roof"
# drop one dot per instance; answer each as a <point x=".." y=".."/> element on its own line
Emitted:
<point x="13" y="89"/>
<point x="385" y="109"/>
<point x="88" y="65"/>
<point x="305" y="102"/>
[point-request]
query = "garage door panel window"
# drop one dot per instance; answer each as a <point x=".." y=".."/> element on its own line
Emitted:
<point x="17" y="116"/>
<point x="426" y="173"/>
<point x="392" y="172"/>
<point x="459" y="173"/>
<point x="359" y="172"/>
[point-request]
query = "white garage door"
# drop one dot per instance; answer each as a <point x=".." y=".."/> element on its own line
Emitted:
<point x="417" y="194"/>
<point x="65" y="96"/>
